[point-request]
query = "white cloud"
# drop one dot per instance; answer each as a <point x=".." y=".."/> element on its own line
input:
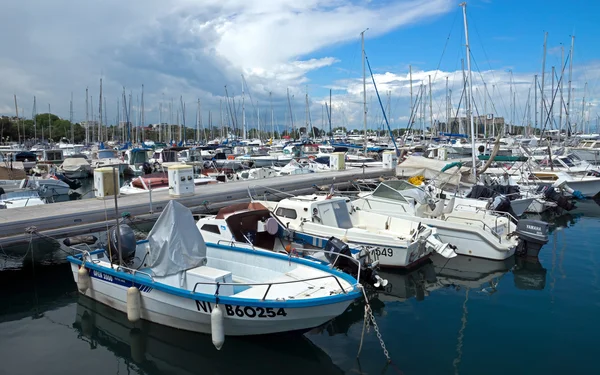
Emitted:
<point x="178" y="47"/>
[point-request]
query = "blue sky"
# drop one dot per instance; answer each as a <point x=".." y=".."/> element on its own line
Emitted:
<point x="194" y="48"/>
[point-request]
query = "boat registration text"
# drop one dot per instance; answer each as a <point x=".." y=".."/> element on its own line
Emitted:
<point x="244" y="311"/>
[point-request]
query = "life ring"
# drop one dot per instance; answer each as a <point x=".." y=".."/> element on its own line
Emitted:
<point x="230" y="157"/>
<point x="312" y="157"/>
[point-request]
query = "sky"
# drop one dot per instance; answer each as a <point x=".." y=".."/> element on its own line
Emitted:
<point x="192" y="50"/>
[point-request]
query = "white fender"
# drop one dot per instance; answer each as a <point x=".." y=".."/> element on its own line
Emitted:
<point x="216" y="327"/>
<point x="133" y="304"/>
<point x="83" y="280"/>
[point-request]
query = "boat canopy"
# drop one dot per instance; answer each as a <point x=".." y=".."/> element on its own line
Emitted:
<point x="176" y="245"/>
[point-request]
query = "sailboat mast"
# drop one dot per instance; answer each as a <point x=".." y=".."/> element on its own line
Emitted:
<point x="34" y="115"/>
<point x="362" y="37"/>
<point x="272" y="119"/>
<point x="468" y="48"/>
<point x="330" y="110"/>
<point x="430" y="108"/>
<point x="560" y="86"/>
<point x="542" y="105"/>
<point x="71" y="119"/>
<point x="567" y="115"/>
<point x="243" y="110"/>
<point x="87" y="119"/>
<point x="100" y="114"/>
<point x="142" y="117"/>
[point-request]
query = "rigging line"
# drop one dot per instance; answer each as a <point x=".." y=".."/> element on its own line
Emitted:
<point x="485" y="86"/>
<point x="437" y="69"/>
<point x="487" y="59"/>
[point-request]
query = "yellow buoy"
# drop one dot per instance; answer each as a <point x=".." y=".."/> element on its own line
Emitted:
<point x="83" y="280"/>
<point x="133" y="304"/>
<point x="216" y="327"/>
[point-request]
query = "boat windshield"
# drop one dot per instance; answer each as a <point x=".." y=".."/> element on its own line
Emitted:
<point x="399" y="190"/>
<point x="334" y="213"/>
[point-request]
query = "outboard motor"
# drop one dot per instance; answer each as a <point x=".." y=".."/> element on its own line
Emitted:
<point x="561" y="201"/>
<point x="128" y="242"/>
<point x="533" y="234"/>
<point x="73" y="184"/>
<point x="502" y="204"/>
<point x="334" y="247"/>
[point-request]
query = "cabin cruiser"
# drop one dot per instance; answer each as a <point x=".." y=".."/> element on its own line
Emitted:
<point x="394" y="242"/>
<point x="588" y="150"/>
<point x="137" y="161"/>
<point x="107" y="158"/>
<point x="482" y="233"/>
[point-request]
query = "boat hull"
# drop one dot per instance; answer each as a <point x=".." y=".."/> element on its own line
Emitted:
<point x="192" y="312"/>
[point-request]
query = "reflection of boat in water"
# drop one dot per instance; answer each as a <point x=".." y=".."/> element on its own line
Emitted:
<point x="31" y="290"/>
<point x="158" y="349"/>
<point x="404" y="285"/>
<point x="529" y="274"/>
<point x="470" y="272"/>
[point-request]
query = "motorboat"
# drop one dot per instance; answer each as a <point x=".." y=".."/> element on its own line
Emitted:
<point x="392" y="241"/>
<point x="177" y="280"/>
<point x="253" y="226"/>
<point x="158" y="181"/>
<point x="18" y="199"/>
<point x="75" y="167"/>
<point x="46" y="187"/>
<point x="484" y="234"/>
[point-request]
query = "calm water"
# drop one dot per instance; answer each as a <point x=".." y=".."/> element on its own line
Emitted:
<point x="465" y="316"/>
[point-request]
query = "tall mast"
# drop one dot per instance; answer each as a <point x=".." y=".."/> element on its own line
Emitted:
<point x="18" y="127"/>
<point x="552" y="105"/>
<point x="560" y="86"/>
<point x="49" y="120"/>
<point x="221" y="116"/>
<point x="330" y="114"/>
<point x="512" y="119"/>
<point x="87" y="119"/>
<point x="272" y="119"/>
<point x="34" y="115"/>
<point x="199" y="122"/>
<point x="100" y="113"/>
<point x="567" y="115"/>
<point x="582" y="110"/>
<point x="142" y="117"/>
<point x="362" y="43"/>
<point x="411" y="87"/>
<point x="485" y="110"/>
<point x="473" y="160"/>
<point x="543" y="104"/>
<point x="447" y="105"/>
<point x="243" y="110"/>
<point x="430" y="106"/>
<point x="71" y="119"/>
<point x="535" y="101"/>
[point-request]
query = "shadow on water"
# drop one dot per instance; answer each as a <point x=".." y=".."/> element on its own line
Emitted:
<point x="157" y="349"/>
<point x="33" y="289"/>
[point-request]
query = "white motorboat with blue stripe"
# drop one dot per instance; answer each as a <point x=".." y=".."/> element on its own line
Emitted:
<point x="177" y="280"/>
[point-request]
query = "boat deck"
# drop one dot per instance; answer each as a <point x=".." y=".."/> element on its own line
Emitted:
<point x="91" y="215"/>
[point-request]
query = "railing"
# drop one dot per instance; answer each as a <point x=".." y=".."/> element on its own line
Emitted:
<point x="485" y="226"/>
<point x="270" y="284"/>
<point x="134" y="271"/>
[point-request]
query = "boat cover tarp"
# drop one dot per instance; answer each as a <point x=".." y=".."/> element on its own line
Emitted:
<point x="430" y="169"/>
<point x="73" y="164"/>
<point x="176" y="245"/>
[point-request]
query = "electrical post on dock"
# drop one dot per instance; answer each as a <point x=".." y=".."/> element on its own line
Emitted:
<point x="118" y="229"/>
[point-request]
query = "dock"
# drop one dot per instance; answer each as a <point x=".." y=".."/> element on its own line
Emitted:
<point x="92" y="215"/>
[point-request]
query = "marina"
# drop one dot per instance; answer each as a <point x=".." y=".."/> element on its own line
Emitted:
<point x="257" y="203"/>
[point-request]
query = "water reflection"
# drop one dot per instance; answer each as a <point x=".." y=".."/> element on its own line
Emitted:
<point x="156" y="349"/>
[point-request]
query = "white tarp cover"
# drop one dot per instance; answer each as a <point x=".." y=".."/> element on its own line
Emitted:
<point x="175" y="243"/>
<point x="430" y="169"/>
<point x="72" y="164"/>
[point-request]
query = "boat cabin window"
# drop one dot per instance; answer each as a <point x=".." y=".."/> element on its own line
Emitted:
<point x="169" y="156"/>
<point x="54" y="155"/>
<point x="138" y="157"/>
<point x="335" y="214"/>
<point x="568" y="162"/>
<point x="212" y="228"/>
<point x="106" y="154"/>
<point x="286" y="212"/>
